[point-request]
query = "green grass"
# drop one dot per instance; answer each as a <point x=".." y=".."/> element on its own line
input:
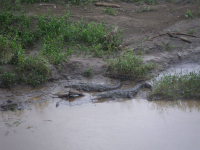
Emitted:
<point x="88" y="72"/>
<point x="144" y="9"/>
<point x="109" y="11"/>
<point x="177" y="86"/>
<point x="58" y="38"/>
<point x="130" y="66"/>
<point x="191" y="31"/>
<point x="8" y="79"/>
<point x="151" y="2"/>
<point x="34" y="70"/>
<point x="189" y="14"/>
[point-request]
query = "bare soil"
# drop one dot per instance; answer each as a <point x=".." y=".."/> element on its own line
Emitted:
<point x="137" y="28"/>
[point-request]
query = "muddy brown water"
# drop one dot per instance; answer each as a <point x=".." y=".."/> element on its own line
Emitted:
<point x="113" y="125"/>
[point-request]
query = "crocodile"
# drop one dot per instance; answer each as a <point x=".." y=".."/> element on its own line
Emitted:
<point x="125" y="93"/>
<point x="94" y="87"/>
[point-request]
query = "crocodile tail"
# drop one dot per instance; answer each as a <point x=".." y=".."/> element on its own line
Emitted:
<point x="116" y="86"/>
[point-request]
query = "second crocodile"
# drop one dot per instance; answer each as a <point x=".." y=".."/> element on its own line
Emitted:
<point x="94" y="87"/>
<point x="125" y="93"/>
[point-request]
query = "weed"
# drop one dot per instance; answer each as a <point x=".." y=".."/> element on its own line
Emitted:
<point x="109" y="11"/>
<point x="189" y="14"/>
<point x="177" y="86"/>
<point x="144" y="9"/>
<point x="131" y="66"/>
<point x="34" y="70"/>
<point x="167" y="47"/>
<point x="174" y="11"/>
<point x="192" y="31"/>
<point x="88" y="72"/>
<point x="140" y="50"/>
<point x="151" y="2"/>
<point x="170" y="1"/>
<point x="8" y="79"/>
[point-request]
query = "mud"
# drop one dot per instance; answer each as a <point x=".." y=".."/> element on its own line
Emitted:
<point x="28" y="95"/>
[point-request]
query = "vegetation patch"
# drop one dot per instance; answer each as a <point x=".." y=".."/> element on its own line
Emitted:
<point x="58" y="38"/>
<point x="33" y="70"/>
<point x="189" y="14"/>
<point x="177" y="86"/>
<point x="130" y="66"/>
<point x="191" y="31"/>
<point x="88" y="72"/>
<point x="109" y="11"/>
<point x="145" y="9"/>
<point x="8" y="79"/>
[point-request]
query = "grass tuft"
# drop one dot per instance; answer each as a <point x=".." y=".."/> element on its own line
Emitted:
<point x="109" y="11"/>
<point x="130" y="66"/>
<point x="8" y="79"/>
<point x="88" y="72"/>
<point x="177" y="86"/>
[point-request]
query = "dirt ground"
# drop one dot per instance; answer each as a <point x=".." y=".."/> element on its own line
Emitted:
<point x="137" y="28"/>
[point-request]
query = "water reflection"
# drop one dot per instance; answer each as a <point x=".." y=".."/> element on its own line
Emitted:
<point x="183" y="105"/>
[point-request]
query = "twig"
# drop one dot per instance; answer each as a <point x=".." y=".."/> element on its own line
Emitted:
<point x="178" y="33"/>
<point x="181" y="38"/>
<point x="184" y="39"/>
<point x="173" y="34"/>
<point x="157" y="36"/>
